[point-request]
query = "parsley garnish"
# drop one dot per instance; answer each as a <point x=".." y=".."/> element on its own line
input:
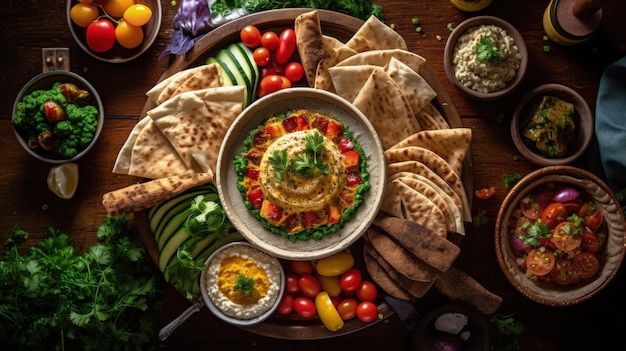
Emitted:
<point x="245" y="284"/>
<point x="487" y="52"/>
<point x="535" y="232"/>
<point x="510" y="179"/>
<point x="309" y="161"/>
<point x="280" y="162"/>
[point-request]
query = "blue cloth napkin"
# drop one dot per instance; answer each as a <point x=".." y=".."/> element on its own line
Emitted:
<point x="610" y="128"/>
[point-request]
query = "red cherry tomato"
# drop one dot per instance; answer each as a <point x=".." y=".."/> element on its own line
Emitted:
<point x="100" y="35"/>
<point x="347" y="309"/>
<point x="540" y="262"/>
<point x="271" y="83"/>
<point x="530" y="207"/>
<point x="286" y="46"/>
<point x="585" y="264"/>
<point x="553" y="214"/>
<point x="563" y="272"/>
<point x="286" y="83"/>
<point x="366" y="311"/>
<point x="485" y="193"/>
<point x="591" y="215"/>
<point x="301" y="267"/>
<point x="351" y="280"/>
<point x="286" y="304"/>
<point x="590" y="242"/>
<point x="261" y="56"/>
<point x="309" y="285"/>
<point x="250" y="36"/>
<point x="304" y="307"/>
<point x="269" y="40"/>
<point x="294" y="71"/>
<point x="291" y="284"/>
<point x="366" y="291"/>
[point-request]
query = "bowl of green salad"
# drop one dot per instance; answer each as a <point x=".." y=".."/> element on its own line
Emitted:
<point x="57" y="116"/>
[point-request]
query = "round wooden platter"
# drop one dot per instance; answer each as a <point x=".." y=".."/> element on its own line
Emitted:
<point x="342" y="27"/>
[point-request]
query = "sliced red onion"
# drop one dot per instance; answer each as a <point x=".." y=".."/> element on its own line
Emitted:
<point x="517" y="244"/>
<point x="566" y="194"/>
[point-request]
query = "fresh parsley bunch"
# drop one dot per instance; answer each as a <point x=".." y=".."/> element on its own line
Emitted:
<point x="53" y="298"/>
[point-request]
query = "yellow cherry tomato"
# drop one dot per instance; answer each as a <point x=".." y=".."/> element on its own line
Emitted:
<point x="331" y="285"/>
<point x="138" y="15"/>
<point x="116" y="8"/>
<point x="82" y="14"/>
<point x="327" y="312"/>
<point x="127" y="35"/>
<point x="334" y="265"/>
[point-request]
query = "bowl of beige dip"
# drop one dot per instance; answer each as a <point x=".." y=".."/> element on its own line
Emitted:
<point x="241" y="284"/>
<point x="485" y="57"/>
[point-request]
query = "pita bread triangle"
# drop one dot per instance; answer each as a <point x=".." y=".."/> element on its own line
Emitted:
<point x="349" y="80"/>
<point x="195" y="122"/>
<point x="175" y="79"/>
<point x="382" y="102"/>
<point x="436" y="163"/>
<point x="382" y="58"/>
<point x="375" y="35"/>
<point x="416" y="89"/>
<point x="148" y="154"/>
<point x="208" y="76"/>
<point x="450" y="144"/>
<point x="420" y="209"/>
<point x="336" y="55"/>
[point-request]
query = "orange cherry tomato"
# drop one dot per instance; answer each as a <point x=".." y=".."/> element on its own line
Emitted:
<point x="271" y="83"/>
<point x="485" y="193"/>
<point x="540" y="262"/>
<point x="347" y="309"/>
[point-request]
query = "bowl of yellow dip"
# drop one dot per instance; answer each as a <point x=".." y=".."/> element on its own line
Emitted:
<point x="241" y="284"/>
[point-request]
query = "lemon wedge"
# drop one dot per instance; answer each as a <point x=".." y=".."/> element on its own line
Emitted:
<point x="63" y="180"/>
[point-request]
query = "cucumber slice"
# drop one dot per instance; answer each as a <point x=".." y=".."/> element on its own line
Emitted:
<point x="172" y="245"/>
<point x="167" y="209"/>
<point x="235" y="69"/>
<point x="226" y="79"/>
<point x="245" y="57"/>
<point x="172" y="227"/>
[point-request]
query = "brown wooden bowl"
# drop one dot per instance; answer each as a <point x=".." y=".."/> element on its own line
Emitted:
<point x="610" y="255"/>
<point x="583" y="120"/>
<point x="449" y="53"/>
<point x="119" y="54"/>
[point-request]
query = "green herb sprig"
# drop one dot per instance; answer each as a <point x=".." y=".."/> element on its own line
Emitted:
<point x="487" y="52"/>
<point x="245" y="284"/>
<point x="280" y="162"/>
<point x="306" y="163"/>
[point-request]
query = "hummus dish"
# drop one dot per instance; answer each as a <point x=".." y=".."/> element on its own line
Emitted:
<point x="242" y="282"/>
<point x="302" y="174"/>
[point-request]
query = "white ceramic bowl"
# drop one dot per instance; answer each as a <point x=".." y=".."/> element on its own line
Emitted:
<point x="233" y="202"/>
<point x="610" y="256"/>
<point x="44" y="81"/>
<point x="475" y="22"/>
<point x="216" y="310"/>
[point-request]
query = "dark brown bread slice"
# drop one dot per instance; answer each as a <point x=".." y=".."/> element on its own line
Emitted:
<point x="403" y="261"/>
<point x="416" y="289"/>
<point x="460" y="287"/>
<point x="380" y="276"/>
<point x="423" y="243"/>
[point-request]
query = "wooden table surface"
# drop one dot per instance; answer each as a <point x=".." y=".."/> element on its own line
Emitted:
<point x="28" y="26"/>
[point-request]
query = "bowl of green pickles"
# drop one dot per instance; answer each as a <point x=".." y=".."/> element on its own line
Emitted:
<point x="552" y="125"/>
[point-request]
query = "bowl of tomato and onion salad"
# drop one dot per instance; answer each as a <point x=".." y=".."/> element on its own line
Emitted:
<point x="610" y="256"/>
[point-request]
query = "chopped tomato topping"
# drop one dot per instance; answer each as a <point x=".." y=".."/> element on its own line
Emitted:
<point x="345" y="144"/>
<point x="567" y="236"/>
<point x="540" y="262"/>
<point x="351" y="158"/>
<point x="485" y="193"/>
<point x="255" y="196"/>
<point x="553" y="214"/>
<point x="311" y="219"/>
<point x="353" y="179"/>
<point x="271" y="212"/>
<point x="295" y="123"/>
<point x="334" y="130"/>
<point x="252" y="173"/>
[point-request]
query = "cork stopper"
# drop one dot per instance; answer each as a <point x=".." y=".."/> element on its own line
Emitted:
<point x="585" y="9"/>
<point x="579" y="18"/>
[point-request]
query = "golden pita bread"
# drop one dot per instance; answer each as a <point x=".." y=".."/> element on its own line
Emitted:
<point x="421" y="210"/>
<point x="416" y="89"/>
<point x="375" y="35"/>
<point x="434" y="114"/>
<point x="416" y="169"/>
<point x="330" y="43"/>
<point x="450" y="144"/>
<point x="322" y="77"/>
<point x="174" y="81"/>
<point x="148" y="154"/>
<point x="208" y="76"/>
<point x="382" y="102"/>
<point x="434" y="162"/>
<point x="349" y="80"/>
<point x="382" y="58"/>
<point x="310" y="43"/>
<point x="141" y="196"/>
<point x="196" y="122"/>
